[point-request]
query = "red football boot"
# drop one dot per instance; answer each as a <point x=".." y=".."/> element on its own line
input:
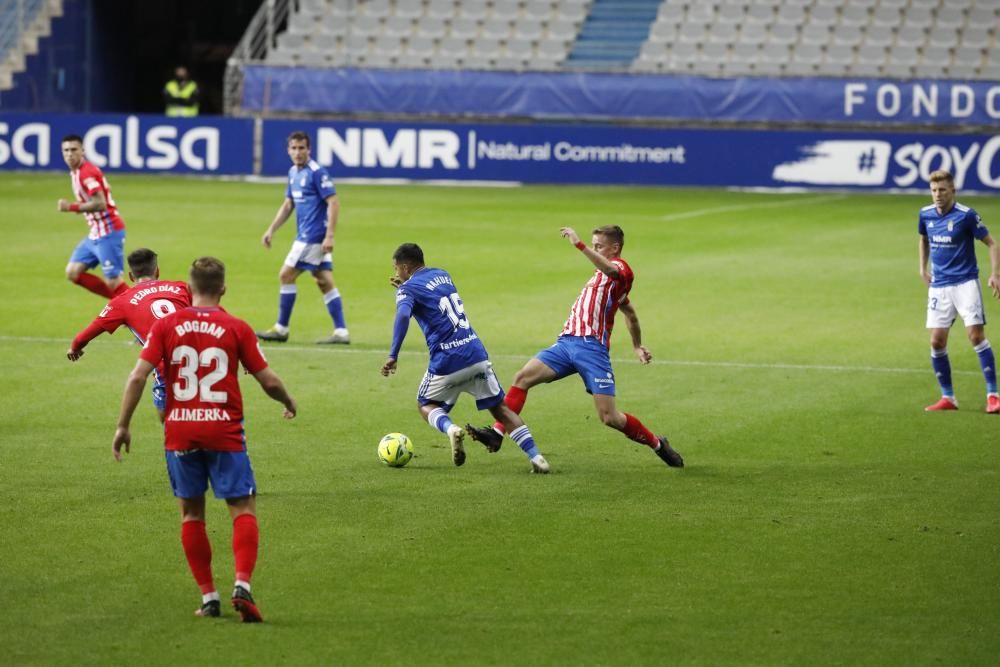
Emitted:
<point x="993" y="404"/>
<point x="946" y="403"/>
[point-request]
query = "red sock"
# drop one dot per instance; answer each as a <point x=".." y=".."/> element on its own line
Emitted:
<point x="635" y="430"/>
<point x="246" y="538"/>
<point x="515" y="401"/>
<point x="91" y="282"/>
<point x="122" y="287"/>
<point x="198" y="550"/>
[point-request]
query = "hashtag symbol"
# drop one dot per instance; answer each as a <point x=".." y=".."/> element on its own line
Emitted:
<point x="867" y="160"/>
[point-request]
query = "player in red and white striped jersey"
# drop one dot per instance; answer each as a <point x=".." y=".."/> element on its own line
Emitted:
<point x="583" y="346"/>
<point x="104" y="246"/>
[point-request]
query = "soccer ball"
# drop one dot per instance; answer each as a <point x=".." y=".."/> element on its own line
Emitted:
<point x="395" y="450"/>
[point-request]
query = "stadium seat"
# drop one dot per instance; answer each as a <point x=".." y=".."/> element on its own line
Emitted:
<point x="782" y="33"/>
<point x="949" y="18"/>
<point x="943" y="37"/>
<point x="824" y="15"/>
<point x="976" y="35"/>
<point x="878" y="36"/>
<point x="753" y="33"/>
<point x="730" y="14"/>
<point x="442" y="9"/>
<point x="409" y="9"/>
<point x="375" y="8"/>
<point x="660" y="32"/>
<point x="538" y="10"/>
<point x="476" y="10"/>
<point x="791" y="15"/>
<point x="911" y="36"/>
<point x="397" y="26"/>
<point x="432" y="27"/>
<point x="887" y="16"/>
<point x="816" y="35"/>
<point x="702" y="12"/>
<point x="846" y="36"/>
<point x="464" y="27"/>
<point x="496" y="28"/>
<point x="854" y="16"/>
<point x="506" y="9"/>
<point x="760" y="13"/>
<point x="968" y="55"/>
<point x="723" y="33"/>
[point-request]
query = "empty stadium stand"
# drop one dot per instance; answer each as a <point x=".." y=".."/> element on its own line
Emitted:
<point x="894" y="39"/>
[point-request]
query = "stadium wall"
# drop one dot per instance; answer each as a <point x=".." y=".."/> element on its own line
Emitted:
<point x="534" y="153"/>
<point x="626" y="97"/>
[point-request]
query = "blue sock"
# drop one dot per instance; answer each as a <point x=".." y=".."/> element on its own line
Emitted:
<point x="522" y="436"/>
<point x="286" y="301"/>
<point x="942" y="369"/>
<point x="439" y="419"/>
<point x="335" y="306"/>
<point x="988" y="362"/>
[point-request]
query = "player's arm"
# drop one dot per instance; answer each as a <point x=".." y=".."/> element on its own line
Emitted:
<point x="603" y="265"/>
<point x="92" y="331"/>
<point x="994" y="279"/>
<point x="130" y="399"/>
<point x="280" y="218"/>
<point x="399" y="329"/>
<point x="635" y="331"/>
<point x="925" y="254"/>
<point x="275" y="388"/>
<point x="332" y="214"/>
<point x="96" y="204"/>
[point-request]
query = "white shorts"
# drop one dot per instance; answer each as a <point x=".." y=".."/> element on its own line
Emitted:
<point x="477" y="380"/>
<point x="945" y="303"/>
<point x="309" y="257"/>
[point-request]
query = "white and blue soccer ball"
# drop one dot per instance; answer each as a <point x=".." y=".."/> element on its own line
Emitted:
<point x="395" y="450"/>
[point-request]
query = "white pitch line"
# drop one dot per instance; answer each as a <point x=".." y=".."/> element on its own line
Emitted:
<point x="745" y="207"/>
<point x="515" y="357"/>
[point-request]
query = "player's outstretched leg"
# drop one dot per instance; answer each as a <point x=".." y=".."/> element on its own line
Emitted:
<point x="668" y="454"/>
<point x="487" y="436"/>
<point x="520" y="434"/>
<point x="942" y="370"/>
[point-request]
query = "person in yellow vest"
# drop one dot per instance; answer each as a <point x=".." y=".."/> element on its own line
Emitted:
<point x="181" y="95"/>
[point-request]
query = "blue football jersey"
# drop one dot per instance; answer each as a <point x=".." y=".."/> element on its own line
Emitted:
<point x="451" y="341"/>
<point x="309" y="188"/>
<point x="952" y="238"/>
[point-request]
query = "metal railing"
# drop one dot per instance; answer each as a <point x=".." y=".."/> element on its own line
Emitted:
<point x="257" y="42"/>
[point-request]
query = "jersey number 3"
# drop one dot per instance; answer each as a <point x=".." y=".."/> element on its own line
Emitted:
<point x="190" y="361"/>
<point x="452" y="307"/>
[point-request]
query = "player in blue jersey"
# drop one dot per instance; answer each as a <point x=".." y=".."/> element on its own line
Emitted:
<point x="948" y="231"/>
<point x="458" y="360"/>
<point x="311" y="193"/>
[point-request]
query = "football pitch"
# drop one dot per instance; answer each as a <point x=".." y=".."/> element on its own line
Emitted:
<point x="822" y="518"/>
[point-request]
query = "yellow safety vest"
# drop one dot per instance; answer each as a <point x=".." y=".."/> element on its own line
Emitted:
<point x="187" y="110"/>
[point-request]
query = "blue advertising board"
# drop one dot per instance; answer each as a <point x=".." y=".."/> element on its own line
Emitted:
<point x="577" y="95"/>
<point x="545" y="153"/>
<point x="129" y="143"/>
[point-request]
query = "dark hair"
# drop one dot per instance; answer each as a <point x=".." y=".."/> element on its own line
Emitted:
<point x="142" y="263"/>
<point x="208" y="276"/>
<point x="298" y="135"/>
<point x="613" y="232"/>
<point x="409" y="253"/>
<point x="72" y="137"/>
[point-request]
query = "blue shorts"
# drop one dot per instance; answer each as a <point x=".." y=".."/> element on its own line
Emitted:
<point x="159" y="391"/>
<point x="108" y="252"/>
<point x="190" y="471"/>
<point x="584" y="355"/>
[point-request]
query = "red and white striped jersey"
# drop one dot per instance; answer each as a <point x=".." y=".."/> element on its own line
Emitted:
<point x="88" y="180"/>
<point x="593" y="312"/>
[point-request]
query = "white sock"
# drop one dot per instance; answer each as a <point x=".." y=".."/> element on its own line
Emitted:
<point x="208" y="597"/>
<point x="283" y="330"/>
<point x="242" y="584"/>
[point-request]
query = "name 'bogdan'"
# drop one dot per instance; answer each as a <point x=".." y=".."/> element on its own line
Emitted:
<point x="209" y="328"/>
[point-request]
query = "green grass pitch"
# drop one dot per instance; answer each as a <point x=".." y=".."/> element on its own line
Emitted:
<point x="823" y="517"/>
